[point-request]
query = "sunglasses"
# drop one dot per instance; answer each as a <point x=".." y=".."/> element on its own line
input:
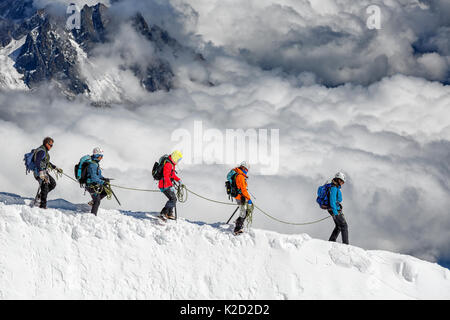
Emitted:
<point x="50" y="144"/>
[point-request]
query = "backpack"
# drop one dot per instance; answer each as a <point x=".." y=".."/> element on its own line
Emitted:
<point x="323" y="196"/>
<point x="80" y="169"/>
<point x="157" y="171"/>
<point x="230" y="184"/>
<point x="28" y="158"/>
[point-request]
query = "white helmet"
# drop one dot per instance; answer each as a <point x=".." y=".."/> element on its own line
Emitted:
<point x="245" y="164"/>
<point x="97" y="151"/>
<point x="340" y="175"/>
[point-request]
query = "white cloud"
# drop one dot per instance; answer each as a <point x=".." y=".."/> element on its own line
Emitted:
<point x="330" y="39"/>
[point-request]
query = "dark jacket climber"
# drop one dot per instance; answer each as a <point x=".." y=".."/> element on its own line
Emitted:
<point x="41" y="173"/>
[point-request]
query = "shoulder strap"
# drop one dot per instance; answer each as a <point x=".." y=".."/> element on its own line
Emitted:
<point x="45" y="153"/>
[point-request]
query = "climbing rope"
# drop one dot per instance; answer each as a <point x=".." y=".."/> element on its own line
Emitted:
<point x="291" y="223"/>
<point x="134" y="189"/>
<point x="182" y="195"/>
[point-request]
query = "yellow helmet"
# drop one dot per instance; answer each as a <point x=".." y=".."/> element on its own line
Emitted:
<point x="176" y="156"/>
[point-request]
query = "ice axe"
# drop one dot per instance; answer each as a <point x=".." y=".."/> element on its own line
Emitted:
<point x="115" y="196"/>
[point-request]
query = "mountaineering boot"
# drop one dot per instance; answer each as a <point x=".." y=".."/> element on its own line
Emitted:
<point x="170" y="215"/>
<point x="239" y="228"/>
<point x="162" y="214"/>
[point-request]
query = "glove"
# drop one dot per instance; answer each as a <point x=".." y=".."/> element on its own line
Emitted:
<point x="250" y="201"/>
<point x="181" y="183"/>
<point x="59" y="170"/>
<point x="107" y="180"/>
<point x="43" y="176"/>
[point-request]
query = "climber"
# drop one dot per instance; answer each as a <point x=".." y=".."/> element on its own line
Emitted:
<point x="243" y="197"/>
<point x="95" y="182"/>
<point x="166" y="185"/>
<point x="335" y="208"/>
<point x="42" y="165"/>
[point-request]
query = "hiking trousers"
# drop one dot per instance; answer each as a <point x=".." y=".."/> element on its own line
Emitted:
<point x="242" y="207"/>
<point x="172" y="202"/>
<point x="96" y="198"/>
<point x="45" y="189"/>
<point x="341" y="227"/>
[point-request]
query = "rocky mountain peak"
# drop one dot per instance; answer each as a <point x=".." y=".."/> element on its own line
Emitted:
<point x="51" y="52"/>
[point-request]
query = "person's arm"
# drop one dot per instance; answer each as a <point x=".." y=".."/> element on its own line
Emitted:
<point x="333" y="198"/>
<point x="174" y="176"/>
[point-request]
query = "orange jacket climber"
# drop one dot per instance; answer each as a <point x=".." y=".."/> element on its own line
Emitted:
<point x="241" y="184"/>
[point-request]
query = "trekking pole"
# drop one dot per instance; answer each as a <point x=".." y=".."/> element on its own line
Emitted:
<point x="233" y="214"/>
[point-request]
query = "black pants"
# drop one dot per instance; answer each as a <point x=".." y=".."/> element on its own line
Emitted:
<point x="340" y="227"/>
<point x="171" y="203"/>
<point x="96" y="198"/>
<point x="45" y="189"/>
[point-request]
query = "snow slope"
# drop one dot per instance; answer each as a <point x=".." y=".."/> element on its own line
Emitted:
<point x="69" y="254"/>
<point x="9" y="77"/>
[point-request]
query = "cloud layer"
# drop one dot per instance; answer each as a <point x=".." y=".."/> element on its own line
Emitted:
<point x="330" y="38"/>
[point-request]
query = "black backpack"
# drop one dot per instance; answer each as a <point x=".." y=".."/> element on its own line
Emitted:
<point x="230" y="184"/>
<point x="80" y="169"/>
<point x="157" y="171"/>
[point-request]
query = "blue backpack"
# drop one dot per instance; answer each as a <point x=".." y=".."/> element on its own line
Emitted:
<point x="28" y="158"/>
<point x="80" y="169"/>
<point x="323" y="195"/>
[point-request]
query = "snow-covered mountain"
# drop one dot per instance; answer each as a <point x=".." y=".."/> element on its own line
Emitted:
<point x="65" y="253"/>
<point x="45" y="51"/>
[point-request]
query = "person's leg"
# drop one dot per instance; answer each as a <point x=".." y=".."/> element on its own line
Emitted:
<point x="96" y="198"/>
<point x="52" y="183"/>
<point x="242" y="215"/>
<point x="340" y="227"/>
<point x="336" y="230"/>
<point x="45" y="189"/>
<point x="170" y="204"/>
<point x="44" y="193"/>
<point x="343" y="227"/>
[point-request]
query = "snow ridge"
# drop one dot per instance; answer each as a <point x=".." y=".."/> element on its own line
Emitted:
<point x="67" y="253"/>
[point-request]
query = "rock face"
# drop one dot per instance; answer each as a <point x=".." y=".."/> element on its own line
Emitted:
<point x="49" y="54"/>
<point x="158" y="75"/>
<point x="16" y="9"/>
<point x="94" y="21"/>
